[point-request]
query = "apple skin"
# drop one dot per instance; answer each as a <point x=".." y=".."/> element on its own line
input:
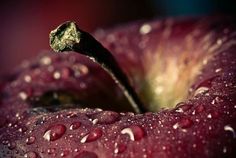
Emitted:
<point x="202" y="126"/>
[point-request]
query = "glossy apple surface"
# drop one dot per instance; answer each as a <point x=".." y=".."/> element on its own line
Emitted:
<point x="190" y="62"/>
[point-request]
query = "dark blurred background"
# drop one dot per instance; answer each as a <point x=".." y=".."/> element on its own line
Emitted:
<point x="25" y="24"/>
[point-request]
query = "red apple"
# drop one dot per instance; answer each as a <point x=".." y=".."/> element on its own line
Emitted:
<point x="183" y="70"/>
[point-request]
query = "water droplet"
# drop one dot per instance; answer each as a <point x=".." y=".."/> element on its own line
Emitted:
<point x="80" y="69"/>
<point x="75" y="125"/>
<point x="218" y="70"/>
<point x="92" y="136"/>
<point x="66" y="73"/>
<point x="30" y="140"/>
<point x="224" y="149"/>
<point x="119" y="148"/>
<point x="54" y="132"/>
<point x="201" y="90"/>
<point x="182" y="107"/>
<point x="183" y="123"/>
<point x="95" y="121"/>
<point x="23" y="95"/>
<point x="209" y="116"/>
<point x="30" y="154"/>
<point x="135" y="132"/>
<point x="27" y="78"/>
<point x="200" y="108"/>
<point x="51" y="151"/>
<point x="45" y="60"/>
<point x="65" y="153"/>
<point x="230" y="129"/>
<point x="11" y="145"/>
<point x="86" y="154"/>
<point x="145" y="29"/>
<point x="56" y="75"/>
<point x="106" y="117"/>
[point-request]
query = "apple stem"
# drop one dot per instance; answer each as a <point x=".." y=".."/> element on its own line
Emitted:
<point x="68" y="37"/>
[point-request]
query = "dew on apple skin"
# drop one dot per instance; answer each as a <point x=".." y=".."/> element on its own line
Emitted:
<point x="199" y="108"/>
<point x="92" y="136"/>
<point x="201" y="90"/>
<point x="134" y="132"/>
<point x="27" y="78"/>
<point x="86" y="154"/>
<point x="11" y="145"/>
<point x="228" y="128"/>
<point x="182" y="107"/>
<point x="95" y="121"/>
<point x="66" y="73"/>
<point x="75" y="125"/>
<point x="57" y="75"/>
<point x="80" y="69"/>
<point x="119" y="148"/>
<point x="106" y="117"/>
<point x="65" y="153"/>
<point x="30" y="140"/>
<point x="54" y="132"/>
<point x="145" y="29"/>
<point x="23" y="95"/>
<point x="46" y="60"/>
<point x="51" y="151"/>
<point x="30" y="154"/>
<point x="184" y="123"/>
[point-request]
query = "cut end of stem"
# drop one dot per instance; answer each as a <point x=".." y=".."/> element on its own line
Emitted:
<point x="64" y="37"/>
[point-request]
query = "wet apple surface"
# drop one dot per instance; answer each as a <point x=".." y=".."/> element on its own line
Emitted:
<point x="183" y="70"/>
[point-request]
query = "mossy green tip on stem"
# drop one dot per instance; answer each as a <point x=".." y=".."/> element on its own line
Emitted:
<point x="64" y="37"/>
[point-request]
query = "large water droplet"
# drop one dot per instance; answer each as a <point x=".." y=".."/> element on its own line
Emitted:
<point x="92" y="136"/>
<point x="135" y="132"/>
<point x="182" y="107"/>
<point x="54" y="132"/>
<point x="86" y="154"/>
<point x="30" y="154"/>
<point x="30" y="140"/>
<point x="65" y="153"/>
<point x="46" y="60"/>
<point x="75" y="125"/>
<point x="200" y="108"/>
<point x="11" y="145"/>
<point x="201" y="90"/>
<point x="230" y="129"/>
<point x="106" y="117"/>
<point x="66" y="73"/>
<point x="183" y="123"/>
<point x="120" y="148"/>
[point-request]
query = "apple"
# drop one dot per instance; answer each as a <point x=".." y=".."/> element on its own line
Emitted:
<point x="175" y="97"/>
